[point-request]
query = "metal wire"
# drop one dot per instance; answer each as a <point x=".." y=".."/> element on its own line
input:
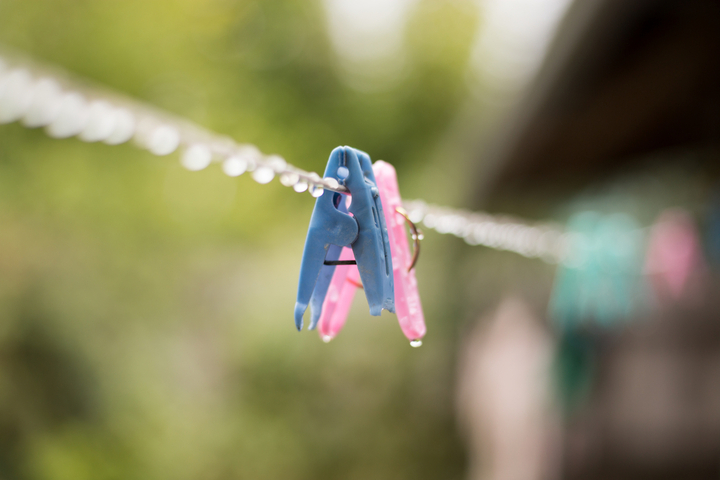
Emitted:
<point x="40" y="96"/>
<point x="545" y="241"/>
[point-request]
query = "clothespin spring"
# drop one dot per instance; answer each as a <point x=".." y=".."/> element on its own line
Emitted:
<point x="417" y="235"/>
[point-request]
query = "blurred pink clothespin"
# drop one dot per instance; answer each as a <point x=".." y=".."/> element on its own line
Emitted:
<point x="673" y="253"/>
<point x="346" y="279"/>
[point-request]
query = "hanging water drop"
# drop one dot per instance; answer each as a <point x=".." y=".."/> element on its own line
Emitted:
<point x="289" y="179"/>
<point x="71" y="119"/>
<point x="331" y="183"/>
<point x="276" y="162"/>
<point x="234" y="166"/>
<point x="196" y="158"/>
<point x="101" y="122"/>
<point x="15" y="96"/>
<point x="250" y="155"/>
<point x="326" y="338"/>
<point x="316" y="190"/>
<point x="263" y="175"/>
<point x="124" y="127"/>
<point x="416" y="215"/>
<point x="164" y="140"/>
<point x="300" y="186"/>
<point x="45" y="106"/>
<point x="416" y="343"/>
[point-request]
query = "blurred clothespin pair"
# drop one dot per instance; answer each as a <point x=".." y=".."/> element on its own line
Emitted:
<point x="359" y="241"/>
<point x="614" y="267"/>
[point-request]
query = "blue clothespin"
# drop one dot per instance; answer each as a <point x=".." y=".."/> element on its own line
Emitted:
<point x="331" y="228"/>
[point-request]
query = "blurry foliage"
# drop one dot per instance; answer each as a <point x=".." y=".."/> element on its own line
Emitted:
<point x="146" y="326"/>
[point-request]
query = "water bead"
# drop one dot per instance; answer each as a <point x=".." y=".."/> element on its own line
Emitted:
<point x="101" y="122"/>
<point x="300" y="186"/>
<point x="416" y="343"/>
<point x="263" y="175"/>
<point x="163" y="140"/>
<point x="251" y="155"/>
<point x="234" y="166"/>
<point x="45" y="104"/>
<point x="331" y="183"/>
<point x="416" y="215"/>
<point x="289" y="179"/>
<point x="15" y="95"/>
<point x="276" y="162"/>
<point x="71" y="119"/>
<point x="196" y="157"/>
<point x="124" y="127"/>
<point x="316" y="190"/>
<point x="326" y="338"/>
<point x="251" y="164"/>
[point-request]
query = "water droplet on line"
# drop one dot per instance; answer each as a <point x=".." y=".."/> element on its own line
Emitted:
<point x="416" y="215"/>
<point x="289" y="179"/>
<point x="250" y="155"/>
<point x="316" y="190"/>
<point x="234" y="166"/>
<point x="101" y="122"/>
<point x="45" y="105"/>
<point x="416" y="343"/>
<point x="124" y="127"/>
<point x="164" y="140"/>
<point x="71" y="119"/>
<point x="331" y="183"/>
<point x="15" y="96"/>
<point x="300" y="186"/>
<point x="276" y="162"/>
<point x="263" y="175"/>
<point x="196" y="158"/>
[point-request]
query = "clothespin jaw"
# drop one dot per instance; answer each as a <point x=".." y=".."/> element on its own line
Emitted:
<point x="372" y="247"/>
<point x="407" y="298"/>
<point x="328" y="226"/>
<point x="327" y="273"/>
<point x="365" y="231"/>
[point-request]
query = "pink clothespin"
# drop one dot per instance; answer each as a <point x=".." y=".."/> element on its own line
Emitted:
<point x="673" y="253"/>
<point x="346" y="279"/>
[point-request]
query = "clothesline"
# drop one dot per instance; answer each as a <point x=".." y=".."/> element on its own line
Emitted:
<point x="604" y="260"/>
<point x="41" y="96"/>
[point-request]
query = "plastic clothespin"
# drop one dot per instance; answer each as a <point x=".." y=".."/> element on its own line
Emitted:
<point x="346" y="279"/>
<point x="364" y="230"/>
<point x="599" y="280"/>
<point x="673" y="255"/>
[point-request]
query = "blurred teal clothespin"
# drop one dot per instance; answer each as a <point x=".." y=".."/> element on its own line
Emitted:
<point x="598" y="284"/>
<point x="599" y="281"/>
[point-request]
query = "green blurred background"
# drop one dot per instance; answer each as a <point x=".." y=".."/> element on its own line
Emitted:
<point x="146" y="326"/>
